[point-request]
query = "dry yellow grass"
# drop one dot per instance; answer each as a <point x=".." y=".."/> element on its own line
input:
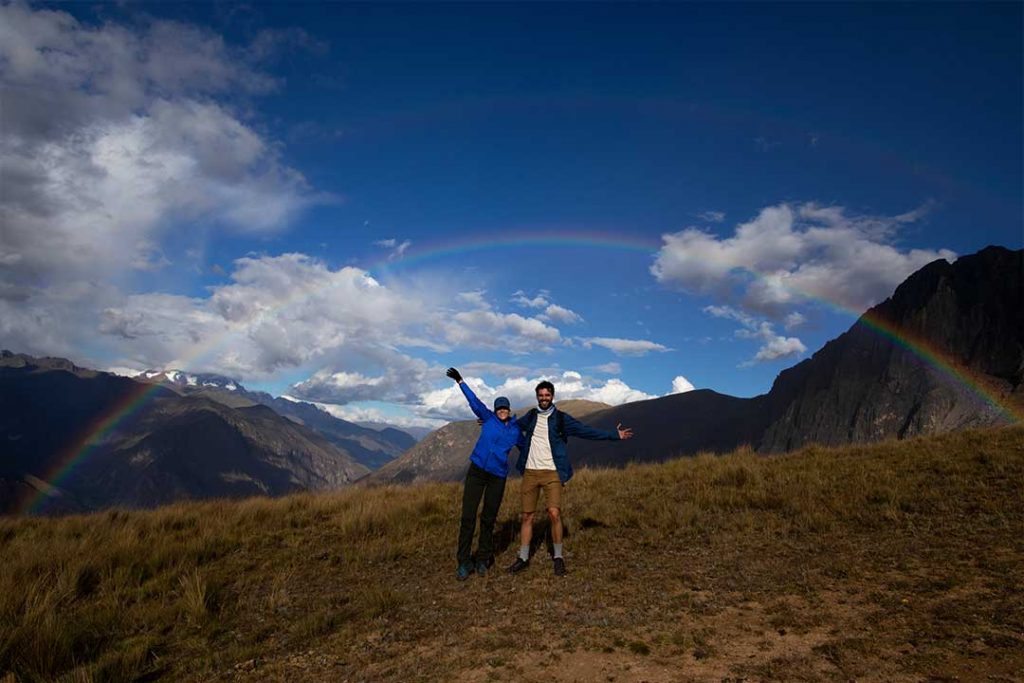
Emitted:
<point x="896" y="561"/>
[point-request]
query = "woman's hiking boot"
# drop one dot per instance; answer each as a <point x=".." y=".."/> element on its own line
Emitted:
<point x="481" y="567"/>
<point x="559" y="566"/>
<point x="464" y="570"/>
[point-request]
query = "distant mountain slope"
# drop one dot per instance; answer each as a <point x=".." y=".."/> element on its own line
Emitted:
<point x="416" y="433"/>
<point x="164" y="448"/>
<point x="443" y="455"/>
<point x="670" y="426"/>
<point x="370" y="447"/>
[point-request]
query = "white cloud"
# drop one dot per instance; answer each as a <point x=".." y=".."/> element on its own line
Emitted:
<point x="275" y="313"/>
<point x="794" y="319"/>
<point x="114" y="138"/>
<point x="625" y="347"/>
<point x="560" y="314"/>
<point x="475" y="299"/>
<point x="681" y="385"/>
<point x="397" y="248"/>
<point x="358" y="413"/>
<point x="123" y="372"/>
<point x="776" y="347"/>
<point x="712" y="216"/>
<point x="491" y="368"/>
<point x="616" y="392"/>
<point x="790" y="255"/>
<point x="113" y="134"/>
<point x="732" y="314"/>
<point x="612" y="368"/>
<point x="773" y="346"/>
<point x="449" y="403"/>
<point x="540" y="301"/>
<point x="402" y="380"/>
<point x="490" y="329"/>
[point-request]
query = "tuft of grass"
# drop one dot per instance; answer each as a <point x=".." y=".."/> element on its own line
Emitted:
<point x="381" y="602"/>
<point x="194" y="597"/>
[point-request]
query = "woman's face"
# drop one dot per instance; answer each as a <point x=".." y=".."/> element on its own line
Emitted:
<point x="503" y="413"/>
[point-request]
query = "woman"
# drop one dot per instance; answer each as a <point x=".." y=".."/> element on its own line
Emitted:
<point x="488" y="468"/>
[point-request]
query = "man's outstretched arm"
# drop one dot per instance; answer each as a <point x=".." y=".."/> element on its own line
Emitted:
<point x="574" y="427"/>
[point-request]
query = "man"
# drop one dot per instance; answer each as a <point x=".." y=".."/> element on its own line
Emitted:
<point x="488" y="468"/>
<point x="544" y="462"/>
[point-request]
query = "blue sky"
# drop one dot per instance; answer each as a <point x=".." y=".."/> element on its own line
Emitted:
<point x="705" y="192"/>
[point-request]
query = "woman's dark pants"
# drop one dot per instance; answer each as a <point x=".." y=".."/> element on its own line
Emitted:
<point x="479" y="484"/>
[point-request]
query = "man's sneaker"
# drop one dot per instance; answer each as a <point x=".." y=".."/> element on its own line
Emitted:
<point x="559" y="567"/>
<point x="481" y="567"/>
<point x="519" y="565"/>
<point x="464" y="570"/>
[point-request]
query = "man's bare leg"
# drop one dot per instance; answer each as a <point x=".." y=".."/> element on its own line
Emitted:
<point x="526" y="530"/>
<point x="555" y="516"/>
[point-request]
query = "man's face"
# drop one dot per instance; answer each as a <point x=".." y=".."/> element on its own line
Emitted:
<point x="503" y="414"/>
<point x="544" y="398"/>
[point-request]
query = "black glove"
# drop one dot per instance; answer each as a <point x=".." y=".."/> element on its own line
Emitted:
<point x="454" y="374"/>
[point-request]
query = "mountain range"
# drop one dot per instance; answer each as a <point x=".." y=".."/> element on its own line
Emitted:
<point x="941" y="354"/>
<point x="106" y="440"/>
<point x="368" y="446"/>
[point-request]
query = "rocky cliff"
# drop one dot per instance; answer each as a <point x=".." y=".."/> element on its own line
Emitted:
<point x="920" y="362"/>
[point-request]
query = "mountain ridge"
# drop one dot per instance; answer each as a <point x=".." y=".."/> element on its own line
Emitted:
<point x="54" y="413"/>
<point x="372" y="448"/>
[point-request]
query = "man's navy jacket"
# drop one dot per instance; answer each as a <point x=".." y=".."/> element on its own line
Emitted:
<point x="558" y="441"/>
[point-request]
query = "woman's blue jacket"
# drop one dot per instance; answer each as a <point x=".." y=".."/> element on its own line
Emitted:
<point x="496" y="437"/>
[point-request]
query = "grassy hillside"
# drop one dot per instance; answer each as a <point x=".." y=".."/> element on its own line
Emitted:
<point x="896" y="561"/>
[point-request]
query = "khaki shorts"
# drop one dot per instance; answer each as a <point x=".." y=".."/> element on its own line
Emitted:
<point x="534" y="481"/>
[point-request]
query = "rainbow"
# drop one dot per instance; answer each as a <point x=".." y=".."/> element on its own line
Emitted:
<point x="509" y="238"/>
<point x="944" y="363"/>
<point x="86" y="441"/>
<point x="94" y="433"/>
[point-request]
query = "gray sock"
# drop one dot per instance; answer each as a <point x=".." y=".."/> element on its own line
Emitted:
<point x="558" y="549"/>
<point x="524" y="553"/>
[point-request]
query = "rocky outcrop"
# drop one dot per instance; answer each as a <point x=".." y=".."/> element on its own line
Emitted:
<point x="881" y="380"/>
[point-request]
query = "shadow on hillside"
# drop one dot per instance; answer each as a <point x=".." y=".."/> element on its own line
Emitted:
<point x="506" y="534"/>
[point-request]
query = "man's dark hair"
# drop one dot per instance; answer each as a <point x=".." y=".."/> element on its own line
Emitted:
<point x="545" y="385"/>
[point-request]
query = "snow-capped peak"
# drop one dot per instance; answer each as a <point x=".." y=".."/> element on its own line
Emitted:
<point x="181" y="378"/>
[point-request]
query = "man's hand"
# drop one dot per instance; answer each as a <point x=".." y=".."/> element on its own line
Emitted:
<point x="454" y="374"/>
<point x="626" y="433"/>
